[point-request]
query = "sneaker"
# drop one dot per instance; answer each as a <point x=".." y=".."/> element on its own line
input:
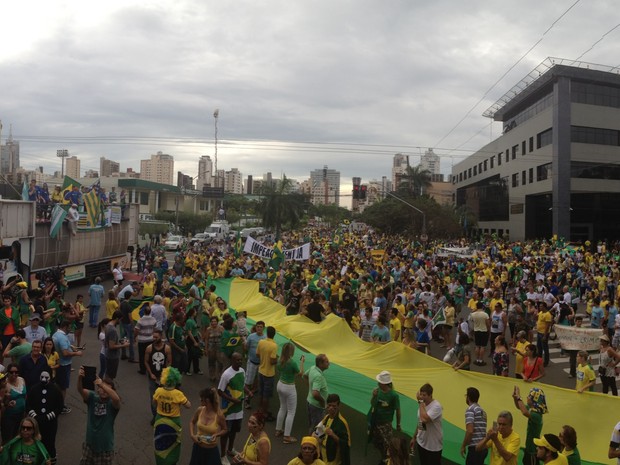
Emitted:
<point x="189" y="373"/>
<point x="200" y="373"/>
<point x="224" y="460"/>
<point x="66" y="409"/>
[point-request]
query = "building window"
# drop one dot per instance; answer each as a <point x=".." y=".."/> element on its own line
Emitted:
<point x="499" y="159"/>
<point x="515" y="180"/>
<point x="515" y="149"/>
<point x="507" y="155"/>
<point x="531" y="144"/>
<point x="544" y="138"/>
<point x="595" y="94"/>
<point x="492" y="160"/>
<point x="598" y="136"/>
<point x="485" y="165"/>
<point x="475" y="170"/>
<point x="460" y="177"/>
<point x="523" y="147"/>
<point x="585" y="170"/>
<point x="144" y="198"/>
<point x="523" y="178"/>
<point x="543" y="172"/>
<point x="469" y="173"/>
<point x="531" y="175"/>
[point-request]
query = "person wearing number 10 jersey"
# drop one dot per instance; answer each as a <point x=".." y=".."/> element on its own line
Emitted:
<point x="167" y="429"/>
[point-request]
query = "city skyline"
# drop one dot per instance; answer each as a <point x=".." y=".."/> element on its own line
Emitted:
<point x="297" y="85"/>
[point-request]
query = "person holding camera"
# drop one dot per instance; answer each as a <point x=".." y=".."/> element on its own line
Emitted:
<point x="113" y="345"/>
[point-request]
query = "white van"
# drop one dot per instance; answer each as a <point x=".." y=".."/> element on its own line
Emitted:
<point x="218" y="230"/>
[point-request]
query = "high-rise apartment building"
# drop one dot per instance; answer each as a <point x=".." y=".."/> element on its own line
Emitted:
<point x="9" y="157"/>
<point x="233" y="181"/>
<point x="205" y="172"/>
<point x="108" y="167"/>
<point x="72" y="167"/>
<point x="325" y="188"/>
<point x="399" y="167"/>
<point x="430" y="161"/>
<point x="160" y="168"/>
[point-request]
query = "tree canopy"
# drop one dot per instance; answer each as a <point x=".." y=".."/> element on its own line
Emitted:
<point x="279" y="207"/>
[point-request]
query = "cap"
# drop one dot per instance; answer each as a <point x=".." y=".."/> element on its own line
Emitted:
<point x="310" y="440"/>
<point x="604" y="337"/>
<point x="549" y="441"/>
<point x="35" y="316"/>
<point x="74" y="204"/>
<point x="384" y="377"/>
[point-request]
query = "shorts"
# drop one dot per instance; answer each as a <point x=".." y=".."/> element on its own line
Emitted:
<point x="250" y="373"/>
<point x="63" y="376"/>
<point x="265" y="386"/>
<point x="481" y="338"/>
<point x="79" y="325"/>
<point x="234" y="426"/>
<point x="91" y="458"/>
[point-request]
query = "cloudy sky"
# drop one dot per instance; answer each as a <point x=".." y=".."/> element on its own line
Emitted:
<point x="298" y="84"/>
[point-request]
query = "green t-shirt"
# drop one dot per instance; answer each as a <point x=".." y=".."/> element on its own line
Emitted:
<point x="534" y="428"/>
<point x="316" y="382"/>
<point x="19" y="351"/>
<point x="100" y="424"/>
<point x="387" y="403"/>
<point x="178" y="335"/>
<point x="229" y="342"/>
<point x="191" y="327"/>
<point x="27" y="453"/>
<point x="288" y="371"/>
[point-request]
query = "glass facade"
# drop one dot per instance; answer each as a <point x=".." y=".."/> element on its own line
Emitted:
<point x="599" y="136"/>
<point x="595" y="94"/>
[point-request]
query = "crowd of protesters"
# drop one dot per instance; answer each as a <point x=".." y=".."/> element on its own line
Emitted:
<point x="498" y="301"/>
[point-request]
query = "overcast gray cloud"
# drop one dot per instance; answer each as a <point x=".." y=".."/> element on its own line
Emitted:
<point x="387" y="75"/>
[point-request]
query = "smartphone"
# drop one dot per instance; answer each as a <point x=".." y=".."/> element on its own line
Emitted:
<point x="495" y="426"/>
<point x="90" y="374"/>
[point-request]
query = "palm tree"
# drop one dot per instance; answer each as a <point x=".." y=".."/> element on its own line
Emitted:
<point x="415" y="180"/>
<point x="280" y="207"/>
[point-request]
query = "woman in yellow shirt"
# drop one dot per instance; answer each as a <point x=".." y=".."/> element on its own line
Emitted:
<point x="148" y="286"/>
<point x="111" y="305"/>
<point x="258" y="446"/>
<point x="50" y="354"/>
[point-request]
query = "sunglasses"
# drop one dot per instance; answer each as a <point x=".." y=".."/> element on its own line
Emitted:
<point x="27" y="428"/>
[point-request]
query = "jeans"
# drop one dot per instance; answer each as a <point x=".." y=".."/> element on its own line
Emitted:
<point x="102" y="365"/>
<point x="288" y="405"/>
<point x="475" y="457"/>
<point x="93" y="316"/>
<point x="542" y="344"/>
<point x="128" y="330"/>
<point x="141" y="351"/>
<point x="152" y="388"/>
<point x="179" y="360"/>
<point x="315" y="415"/>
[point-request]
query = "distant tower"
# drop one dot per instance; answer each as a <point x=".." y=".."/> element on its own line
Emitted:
<point x="399" y="167"/>
<point x="430" y="161"/>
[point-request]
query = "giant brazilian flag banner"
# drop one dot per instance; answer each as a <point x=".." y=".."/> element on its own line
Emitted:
<point x="355" y="363"/>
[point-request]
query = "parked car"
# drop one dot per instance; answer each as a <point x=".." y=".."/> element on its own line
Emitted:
<point x="174" y="242"/>
<point x="199" y="238"/>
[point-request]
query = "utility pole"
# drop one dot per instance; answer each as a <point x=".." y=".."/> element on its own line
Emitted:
<point x="62" y="154"/>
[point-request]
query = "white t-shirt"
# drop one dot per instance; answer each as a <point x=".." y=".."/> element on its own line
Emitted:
<point x="430" y="435"/>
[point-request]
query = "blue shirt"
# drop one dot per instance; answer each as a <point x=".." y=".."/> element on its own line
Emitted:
<point x="252" y="342"/>
<point x="597" y="317"/>
<point x="61" y="341"/>
<point x="382" y="334"/>
<point x="611" y="317"/>
<point x="95" y="292"/>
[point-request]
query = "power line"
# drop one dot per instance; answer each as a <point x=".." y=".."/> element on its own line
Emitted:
<point x="506" y="73"/>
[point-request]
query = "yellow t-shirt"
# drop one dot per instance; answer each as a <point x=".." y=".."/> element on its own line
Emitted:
<point x="148" y="289"/>
<point x="250" y="450"/>
<point x="395" y="325"/>
<point x="585" y="375"/>
<point x="520" y="346"/>
<point x="169" y="402"/>
<point x="110" y="307"/>
<point x="543" y="322"/>
<point x="266" y="350"/>
<point x="511" y="443"/>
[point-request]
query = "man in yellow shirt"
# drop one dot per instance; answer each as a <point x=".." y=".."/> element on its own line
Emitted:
<point x="548" y="450"/>
<point x="395" y="326"/>
<point x="543" y="328"/>
<point x="503" y="441"/>
<point x="267" y="352"/>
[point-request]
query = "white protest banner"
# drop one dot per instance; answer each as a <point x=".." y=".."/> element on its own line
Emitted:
<point x="252" y="246"/>
<point x="573" y="338"/>
<point x="116" y="214"/>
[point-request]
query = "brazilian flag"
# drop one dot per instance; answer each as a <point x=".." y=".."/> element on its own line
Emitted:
<point x="277" y="257"/>
<point x="314" y="282"/>
<point x="238" y="245"/>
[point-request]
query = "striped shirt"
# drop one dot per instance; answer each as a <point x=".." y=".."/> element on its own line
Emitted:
<point x="474" y="414"/>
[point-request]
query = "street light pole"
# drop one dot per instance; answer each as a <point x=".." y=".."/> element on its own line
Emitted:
<point x="62" y="154"/>
<point x="216" y="114"/>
